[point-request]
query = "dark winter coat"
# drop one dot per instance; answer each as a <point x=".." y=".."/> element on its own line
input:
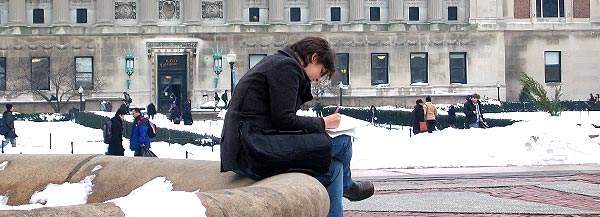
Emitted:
<point x="175" y="113"/>
<point x="451" y="115"/>
<point x="139" y="134"/>
<point x="468" y="109"/>
<point x="224" y="97"/>
<point x="151" y="109"/>
<point x="9" y="119"/>
<point x="267" y="97"/>
<point x="417" y="115"/>
<point x="115" y="147"/>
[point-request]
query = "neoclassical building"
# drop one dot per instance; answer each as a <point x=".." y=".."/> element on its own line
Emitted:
<point x="387" y="49"/>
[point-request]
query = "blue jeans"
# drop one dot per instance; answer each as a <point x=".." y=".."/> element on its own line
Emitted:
<point x="13" y="141"/>
<point x="474" y="125"/>
<point x="338" y="180"/>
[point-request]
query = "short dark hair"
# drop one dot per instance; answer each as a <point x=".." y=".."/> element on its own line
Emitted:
<point x="136" y="109"/>
<point x="476" y="96"/>
<point x="9" y="106"/>
<point x="428" y="99"/>
<point x="306" y="47"/>
<point x="419" y="101"/>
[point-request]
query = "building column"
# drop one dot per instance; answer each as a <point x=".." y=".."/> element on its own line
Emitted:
<point x="276" y="11"/>
<point x="105" y="15"/>
<point x="357" y="11"/>
<point x="234" y="11"/>
<point x="16" y="13"/>
<point x="594" y="10"/>
<point x="148" y="12"/>
<point x="568" y="11"/>
<point x="190" y="12"/>
<point x="434" y="11"/>
<point x="396" y="10"/>
<point x="317" y="11"/>
<point x="60" y="13"/>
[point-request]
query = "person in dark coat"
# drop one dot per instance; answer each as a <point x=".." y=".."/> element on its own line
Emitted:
<point x="151" y="109"/>
<point x="187" y="113"/>
<point x="318" y="108"/>
<point x="175" y="115"/>
<point x="225" y="99"/>
<point x="268" y="96"/>
<point x="372" y="112"/>
<point x="452" y="116"/>
<point x="417" y="116"/>
<point x="124" y="106"/>
<point x="9" y="120"/>
<point x="108" y="106"/>
<point x="115" y="147"/>
<point x="217" y="99"/>
<point x="472" y="110"/>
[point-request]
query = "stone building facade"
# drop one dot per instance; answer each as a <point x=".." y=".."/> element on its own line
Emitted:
<point x="387" y="49"/>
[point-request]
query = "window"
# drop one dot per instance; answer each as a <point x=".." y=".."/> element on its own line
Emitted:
<point x="550" y="8"/>
<point x="452" y="13"/>
<point x="552" y="62"/>
<point x="254" y="59"/>
<point x="84" y="72"/>
<point x="418" y="68"/>
<point x="342" y="66"/>
<point x="40" y="73"/>
<point x="374" y="14"/>
<point x="295" y="15"/>
<point x="253" y="14"/>
<point x="413" y="13"/>
<point x="81" y="15"/>
<point x="38" y="15"/>
<point x="379" y="68"/>
<point x="458" y="68"/>
<point x="336" y="14"/>
<point x="2" y="73"/>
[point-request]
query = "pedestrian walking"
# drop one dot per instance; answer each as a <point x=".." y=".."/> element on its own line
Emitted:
<point x="217" y="99"/>
<point x="9" y="123"/>
<point x="472" y="110"/>
<point x="373" y="111"/>
<point x="151" y="110"/>
<point x="139" y="133"/>
<point x="430" y="114"/>
<point x="115" y="146"/>
<point x="452" y="116"/>
<point x="418" y="116"/>
<point x="225" y="99"/>
<point x="318" y="108"/>
<point x="173" y="101"/>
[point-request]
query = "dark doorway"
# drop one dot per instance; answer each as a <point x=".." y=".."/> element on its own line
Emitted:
<point x="172" y="78"/>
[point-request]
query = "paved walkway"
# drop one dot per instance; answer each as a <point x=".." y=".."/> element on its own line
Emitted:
<point x="562" y="190"/>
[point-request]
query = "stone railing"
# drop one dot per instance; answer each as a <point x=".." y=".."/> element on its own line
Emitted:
<point x="222" y="194"/>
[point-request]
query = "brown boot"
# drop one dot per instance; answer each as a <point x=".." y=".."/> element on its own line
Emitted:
<point x="360" y="190"/>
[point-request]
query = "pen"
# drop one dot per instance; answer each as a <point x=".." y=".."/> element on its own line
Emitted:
<point x="337" y="109"/>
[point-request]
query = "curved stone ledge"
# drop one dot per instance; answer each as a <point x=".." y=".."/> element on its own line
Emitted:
<point x="223" y="194"/>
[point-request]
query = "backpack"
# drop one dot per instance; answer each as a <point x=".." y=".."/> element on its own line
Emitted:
<point x="151" y="127"/>
<point x="3" y="128"/>
<point x="106" y="131"/>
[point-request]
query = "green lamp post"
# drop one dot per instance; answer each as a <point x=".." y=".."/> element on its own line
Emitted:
<point x="129" y="64"/>
<point x="217" y="65"/>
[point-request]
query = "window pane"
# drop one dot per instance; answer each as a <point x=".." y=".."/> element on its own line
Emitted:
<point x="81" y="15"/>
<point x="2" y="73"/>
<point x="374" y="14"/>
<point x="40" y="73"/>
<point x="253" y="14"/>
<point x="335" y="14"/>
<point x="452" y="13"/>
<point x="38" y="15"/>
<point x="255" y="58"/>
<point x="413" y="13"/>
<point x="83" y="64"/>
<point x="295" y="14"/>
<point x="418" y="67"/>
<point x="550" y="8"/>
<point x="84" y="72"/>
<point x="458" y="68"/>
<point x="379" y="69"/>
<point x="343" y="67"/>
<point x="538" y="8"/>
<point x="552" y="58"/>
<point x="552" y="73"/>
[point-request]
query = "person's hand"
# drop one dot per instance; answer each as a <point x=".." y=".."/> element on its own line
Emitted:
<point x="474" y="112"/>
<point x="332" y="121"/>
<point x="142" y="145"/>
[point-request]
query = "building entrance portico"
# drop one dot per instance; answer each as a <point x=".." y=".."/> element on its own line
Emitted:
<point x="172" y="79"/>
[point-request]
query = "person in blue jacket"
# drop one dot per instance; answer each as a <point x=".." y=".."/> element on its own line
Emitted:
<point x="139" y="134"/>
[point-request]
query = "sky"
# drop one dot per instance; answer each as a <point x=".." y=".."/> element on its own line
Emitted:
<point x="537" y="139"/>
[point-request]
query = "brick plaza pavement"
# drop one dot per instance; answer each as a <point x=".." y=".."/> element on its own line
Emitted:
<point x="567" y="190"/>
